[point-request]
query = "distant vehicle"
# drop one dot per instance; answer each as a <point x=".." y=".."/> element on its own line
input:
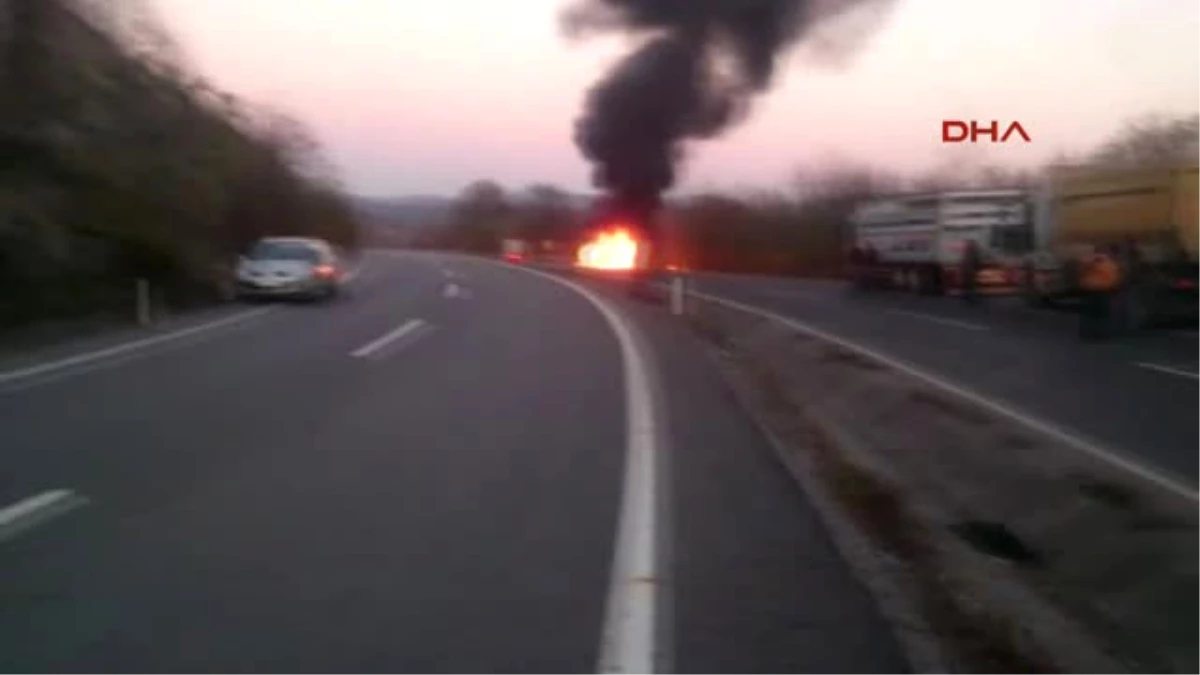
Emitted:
<point x="917" y="241"/>
<point x="289" y="267"/>
<point x="1152" y="211"/>
<point x="514" y="250"/>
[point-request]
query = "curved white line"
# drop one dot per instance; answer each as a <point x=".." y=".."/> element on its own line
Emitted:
<point x="629" y="639"/>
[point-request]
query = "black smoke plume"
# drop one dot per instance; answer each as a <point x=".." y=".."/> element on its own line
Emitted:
<point x="693" y="76"/>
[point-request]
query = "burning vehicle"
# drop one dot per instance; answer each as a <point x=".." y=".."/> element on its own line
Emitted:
<point x="617" y="239"/>
<point x="624" y="245"/>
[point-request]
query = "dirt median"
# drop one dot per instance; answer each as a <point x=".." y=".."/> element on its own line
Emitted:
<point x="990" y="546"/>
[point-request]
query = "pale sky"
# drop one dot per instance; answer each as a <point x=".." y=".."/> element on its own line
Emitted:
<point x="424" y="96"/>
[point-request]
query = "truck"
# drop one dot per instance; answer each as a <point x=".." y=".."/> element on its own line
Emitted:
<point x="916" y="242"/>
<point x="1151" y="211"/>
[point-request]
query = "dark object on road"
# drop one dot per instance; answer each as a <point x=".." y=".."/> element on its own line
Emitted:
<point x="996" y="540"/>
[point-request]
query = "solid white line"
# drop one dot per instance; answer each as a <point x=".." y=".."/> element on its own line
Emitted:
<point x="129" y="346"/>
<point x="1049" y="429"/>
<point x="1168" y="370"/>
<point x="391" y="336"/>
<point x="965" y="325"/>
<point x="629" y="641"/>
<point x="36" y="510"/>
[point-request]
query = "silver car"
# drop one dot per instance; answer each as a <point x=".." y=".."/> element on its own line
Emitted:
<point x="289" y="267"/>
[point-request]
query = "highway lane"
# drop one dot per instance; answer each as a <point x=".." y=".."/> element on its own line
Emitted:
<point x="338" y="488"/>
<point x="264" y="500"/>
<point x="1030" y="359"/>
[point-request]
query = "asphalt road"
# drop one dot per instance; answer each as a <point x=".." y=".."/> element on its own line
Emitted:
<point x="1136" y="395"/>
<point x="425" y="475"/>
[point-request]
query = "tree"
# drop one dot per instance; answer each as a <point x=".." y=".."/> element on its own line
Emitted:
<point x="480" y="216"/>
<point x="1154" y="140"/>
<point x="546" y="214"/>
<point x="118" y="163"/>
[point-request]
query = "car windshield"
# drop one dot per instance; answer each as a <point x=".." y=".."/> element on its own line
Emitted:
<point x="283" y="250"/>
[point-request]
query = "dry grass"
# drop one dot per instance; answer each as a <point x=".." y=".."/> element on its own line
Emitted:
<point x="979" y="640"/>
<point x="836" y="354"/>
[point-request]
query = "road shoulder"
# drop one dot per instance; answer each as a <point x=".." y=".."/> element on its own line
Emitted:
<point x="757" y="584"/>
<point x="988" y="546"/>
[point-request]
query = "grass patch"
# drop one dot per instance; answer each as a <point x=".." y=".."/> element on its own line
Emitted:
<point x="1109" y="494"/>
<point x="1121" y="498"/>
<point x="981" y="641"/>
<point x="877" y="508"/>
<point x="835" y="354"/>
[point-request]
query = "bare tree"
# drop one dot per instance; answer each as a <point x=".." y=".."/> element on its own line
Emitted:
<point x="481" y="215"/>
<point x="119" y="162"/>
<point x="546" y="214"/>
<point x="1154" y="140"/>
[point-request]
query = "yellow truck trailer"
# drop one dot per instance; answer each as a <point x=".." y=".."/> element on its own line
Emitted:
<point x="1153" y="211"/>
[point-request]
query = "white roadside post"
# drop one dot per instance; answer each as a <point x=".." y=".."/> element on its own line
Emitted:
<point x="143" y="302"/>
<point x="677" y="295"/>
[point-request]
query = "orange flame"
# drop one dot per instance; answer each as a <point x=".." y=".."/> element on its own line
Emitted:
<point x="614" y="249"/>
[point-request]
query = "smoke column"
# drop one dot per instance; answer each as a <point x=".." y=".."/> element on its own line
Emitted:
<point x="693" y="76"/>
